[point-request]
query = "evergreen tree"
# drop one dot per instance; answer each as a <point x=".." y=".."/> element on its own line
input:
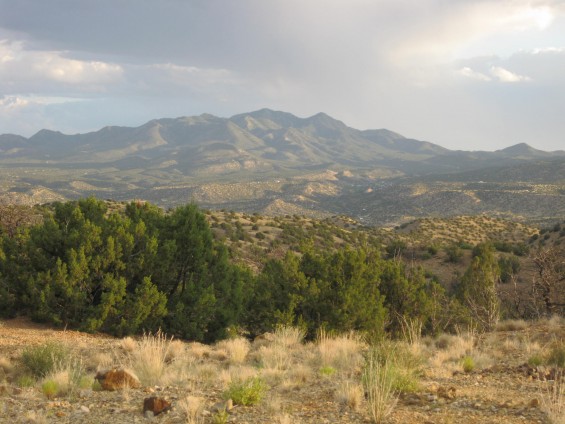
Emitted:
<point x="478" y="287"/>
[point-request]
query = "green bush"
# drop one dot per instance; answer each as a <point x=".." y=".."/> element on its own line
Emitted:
<point x="247" y="392"/>
<point x="327" y="371"/>
<point x="50" y="389"/>
<point x="468" y="364"/>
<point x="40" y="360"/>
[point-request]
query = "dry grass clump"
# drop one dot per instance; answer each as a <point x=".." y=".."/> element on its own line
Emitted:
<point x="511" y="325"/>
<point x="205" y="374"/>
<point x="553" y="400"/>
<point x="237" y="349"/>
<point x="288" y="336"/>
<point x="6" y="368"/>
<point x="451" y="349"/>
<point x="198" y="350"/>
<point x="99" y="360"/>
<point x="65" y="378"/>
<point x="128" y="344"/>
<point x="149" y="359"/>
<point x="378" y="387"/>
<point x="350" y="394"/>
<point x="341" y="352"/>
<point x="274" y="357"/>
<point x="555" y="323"/>
<point x="193" y="407"/>
<point x="176" y="350"/>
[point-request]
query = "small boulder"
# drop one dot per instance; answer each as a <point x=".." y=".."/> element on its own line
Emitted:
<point x="117" y="378"/>
<point x="156" y="405"/>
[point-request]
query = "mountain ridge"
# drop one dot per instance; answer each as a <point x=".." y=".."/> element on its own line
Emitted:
<point x="273" y="161"/>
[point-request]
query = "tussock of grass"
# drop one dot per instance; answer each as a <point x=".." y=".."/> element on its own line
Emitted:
<point x="378" y="384"/>
<point x="340" y="352"/>
<point x="192" y="407"/>
<point x="237" y="349"/>
<point x="350" y="394"/>
<point x="288" y="336"/>
<point x="149" y="359"/>
<point x="512" y="325"/>
<point x="553" y="401"/>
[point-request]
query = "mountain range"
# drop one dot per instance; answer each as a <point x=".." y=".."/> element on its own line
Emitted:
<point x="306" y="162"/>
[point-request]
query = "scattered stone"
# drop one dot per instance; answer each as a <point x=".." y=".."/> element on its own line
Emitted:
<point x="156" y="405"/>
<point x="534" y="403"/>
<point x="117" y="378"/>
<point x="85" y="409"/>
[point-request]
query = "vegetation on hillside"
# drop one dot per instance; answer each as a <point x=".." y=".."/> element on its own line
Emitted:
<point x="128" y="268"/>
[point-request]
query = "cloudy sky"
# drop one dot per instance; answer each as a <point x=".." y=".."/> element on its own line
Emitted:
<point x="465" y="74"/>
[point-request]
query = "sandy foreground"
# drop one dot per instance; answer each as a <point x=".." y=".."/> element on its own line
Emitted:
<point x="305" y="383"/>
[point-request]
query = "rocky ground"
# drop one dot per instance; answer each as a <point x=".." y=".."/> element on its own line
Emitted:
<point x="305" y="383"/>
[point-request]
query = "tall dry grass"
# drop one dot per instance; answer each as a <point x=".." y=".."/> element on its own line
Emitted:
<point x="378" y="385"/>
<point x="149" y="358"/>
<point x="343" y="352"/>
<point x="553" y="400"/>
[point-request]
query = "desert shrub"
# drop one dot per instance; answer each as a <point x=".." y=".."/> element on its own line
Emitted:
<point x="50" y="388"/>
<point x="454" y="253"/>
<point x="247" y="392"/>
<point x="41" y="360"/>
<point x="468" y="364"/>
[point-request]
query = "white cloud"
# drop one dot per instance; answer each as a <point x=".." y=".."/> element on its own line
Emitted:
<point x="504" y="75"/>
<point x="469" y="73"/>
<point x="30" y="71"/>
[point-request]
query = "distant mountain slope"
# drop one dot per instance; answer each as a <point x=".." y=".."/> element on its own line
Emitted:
<point x="279" y="163"/>
<point x="264" y="140"/>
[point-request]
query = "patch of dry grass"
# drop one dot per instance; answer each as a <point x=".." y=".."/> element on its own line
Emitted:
<point x="350" y="394"/>
<point x="149" y="358"/>
<point x="378" y="387"/>
<point x="553" y="400"/>
<point x="193" y="408"/>
<point x="343" y="352"/>
<point x="237" y="349"/>
<point x="511" y="325"/>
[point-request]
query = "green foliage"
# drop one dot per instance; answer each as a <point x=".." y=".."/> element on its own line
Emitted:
<point x="327" y="370"/>
<point x="50" y="388"/>
<point x="509" y="267"/>
<point x="454" y="253"/>
<point x="468" y="364"/>
<point x="220" y="417"/>
<point x="247" y="392"/>
<point x="40" y="360"/>
<point x="535" y="360"/>
<point x="478" y="287"/>
<point x="26" y="381"/>
<point x="404" y="366"/>
<point x="336" y="291"/>
<point x="122" y="272"/>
